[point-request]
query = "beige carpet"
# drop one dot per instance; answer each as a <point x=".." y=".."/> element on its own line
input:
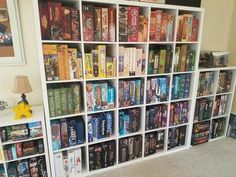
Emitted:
<point x="215" y="159"/>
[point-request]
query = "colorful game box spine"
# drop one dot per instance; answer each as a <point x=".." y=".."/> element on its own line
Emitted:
<point x="142" y="34"/>
<point x="71" y="162"/>
<point x="66" y="17"/>
<point x="89" y="94"/>
<point x="195" y="27"/>
<point x="156" y="63"/>
<point x="138" y="68"/>
<point x="90" y="129"/>
<point x="176" y="87"/>
<point x="72" y="135"/>
<point x="73" y="63"/>
<point x="88" y="65"/>
<point x="60" y="58"/>
<point x="98" y="156"/>
<point x="170" y="27"/>
<point x="98" y="24"/>
<point x="102" y="60"/>
<point x="137" y="92"/>
<point x="164" y="26"/>
<point x="153" y="26"/>
<point x="80" y="129"/>
<point x="33" y="167"/>
<point x="70" y="104"/>
<point x="133" y="23"/>
<point x="121" y="94"/>
<point x="35" y="129"/>
<point x="75" y="24"/>
<point x="159" y="21"/>
<point x="190" y="21"/>
<point x="180" y="28"/>
<point x="80" y="63"/>
<point x="112" y="24"/>
<point x="183" y="58"/>
<point x="109" y="124"/>
<point x="147" y="119"/>
<point x="131" y="147"/>
<point x="78" y="161"/>
<point x="126" y="62"/>
<point x="123" y="24"/>
<point x="126" y="124"/>
<point x="56" y="135"/>
<point x="183" y="78"/>
<point x="91" y="158"/>
<point x="126" y="93"/>
<point x="64" y="103"/>
<point x="164" y="88"/>
<point x="133" y="57"/>
<point x="64" y="133"/>
<point x="77" y="98"/>
<point x="102" y="127"/>
<point x="95" y="124"/>
<point x="95" y="63"/>
<point x="142" y="91"/>
<point x="109" y="67"/>
<point x="132" y="92"/>
<point x="55" y="18"/>
<point x="104" y="87"/>
<point x="111" y="97"/>
<point x="44" y="21"/>
<point x="168" y="62"/>
<point x="88" y="22"/>
<point x="111" y="153"/>
<point x="51" y="103"/>
<point x="57" y="100"/>
<point x="105" y="24"/>
<point x="187" y="85"/>
<point x="58" y="163"/>
<point x="121" y="60"/>
<point x="132" y="60"/>
<point x="50" y="62"/>
<point x="162" y="60"/>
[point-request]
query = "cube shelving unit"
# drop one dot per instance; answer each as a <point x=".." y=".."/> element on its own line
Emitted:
<point x="83" y="45"/>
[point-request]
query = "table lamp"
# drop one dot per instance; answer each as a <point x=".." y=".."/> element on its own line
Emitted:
<point x="22" y="86"/>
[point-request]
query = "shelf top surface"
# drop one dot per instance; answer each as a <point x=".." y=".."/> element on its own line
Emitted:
<point x="217" y="69"/>
<point x="147" y="4"/>
<point x="7" y="117"/>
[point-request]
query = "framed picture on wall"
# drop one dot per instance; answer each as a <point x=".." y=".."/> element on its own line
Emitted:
<point x="11" y="45"/>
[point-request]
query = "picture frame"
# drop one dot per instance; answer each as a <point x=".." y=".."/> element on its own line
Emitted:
<point x="11" y="44"/>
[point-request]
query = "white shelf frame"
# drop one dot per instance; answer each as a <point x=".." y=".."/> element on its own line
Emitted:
<point x="215" y="94"/>
<point x="116" y="3"/>
<point x="8" y="119"/>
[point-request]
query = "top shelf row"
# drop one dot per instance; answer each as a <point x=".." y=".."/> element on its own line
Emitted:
<point x="108" y="22"/>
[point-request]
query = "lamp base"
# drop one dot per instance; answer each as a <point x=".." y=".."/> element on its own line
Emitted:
<point x="23" y="96"/>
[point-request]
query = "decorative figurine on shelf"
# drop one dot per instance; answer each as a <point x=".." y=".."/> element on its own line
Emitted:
<point x="22" y="109"/>
<point x="22" y="85"/>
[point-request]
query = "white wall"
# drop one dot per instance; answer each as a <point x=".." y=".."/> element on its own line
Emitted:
<point x="217" y="24"/>
<point x="31" y="69"/>
<point x="232" y="49"/>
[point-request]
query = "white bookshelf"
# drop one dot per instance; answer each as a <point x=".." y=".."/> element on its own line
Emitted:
<point x="8" y="119"/>
<point x="212" y="96"/>
<point x="114" y="46"/>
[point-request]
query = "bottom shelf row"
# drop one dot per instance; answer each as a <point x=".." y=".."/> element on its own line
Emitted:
<point x="105" y="154"/>
<point x="209" y="129"/>
<point x="35" y="166"/>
